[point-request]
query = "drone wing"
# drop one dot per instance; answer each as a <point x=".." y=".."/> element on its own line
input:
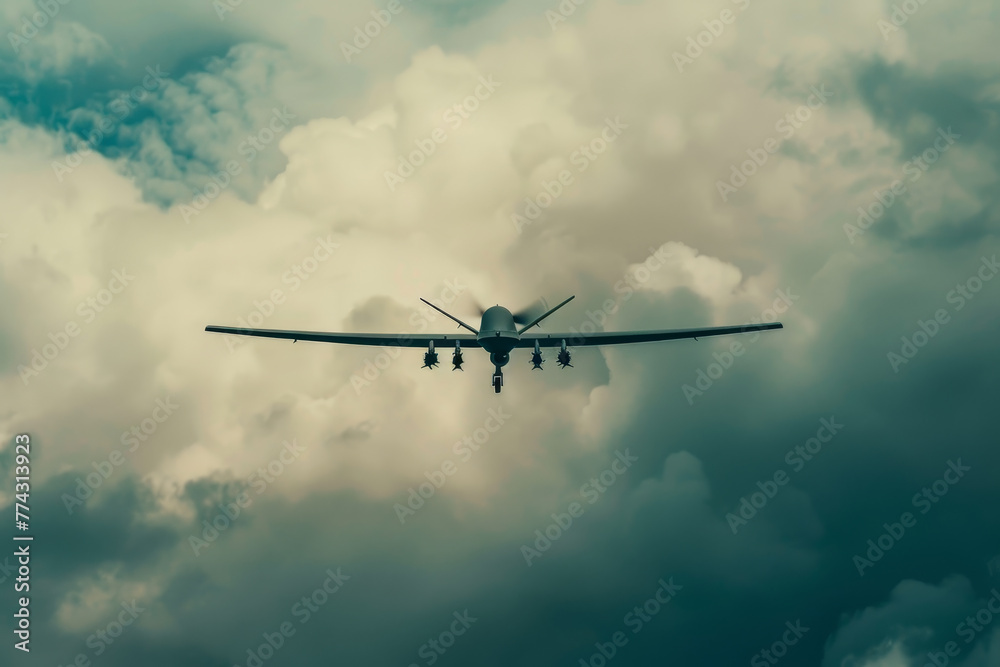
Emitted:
<point x="625" y="337"/>
<point x="376" y="340"/>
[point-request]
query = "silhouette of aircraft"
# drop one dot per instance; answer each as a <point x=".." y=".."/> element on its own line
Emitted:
<point x="498" y="334"/>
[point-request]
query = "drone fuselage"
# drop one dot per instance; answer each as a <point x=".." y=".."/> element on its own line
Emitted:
<point x="498" y="334"/>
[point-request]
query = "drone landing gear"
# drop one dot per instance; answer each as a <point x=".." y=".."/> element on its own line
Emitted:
<point x="497" y="381"/>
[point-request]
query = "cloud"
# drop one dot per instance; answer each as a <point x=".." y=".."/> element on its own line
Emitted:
<point x="311" y="234"/>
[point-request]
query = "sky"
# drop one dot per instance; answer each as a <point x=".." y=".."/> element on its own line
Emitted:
<point x="820" y="495"/>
